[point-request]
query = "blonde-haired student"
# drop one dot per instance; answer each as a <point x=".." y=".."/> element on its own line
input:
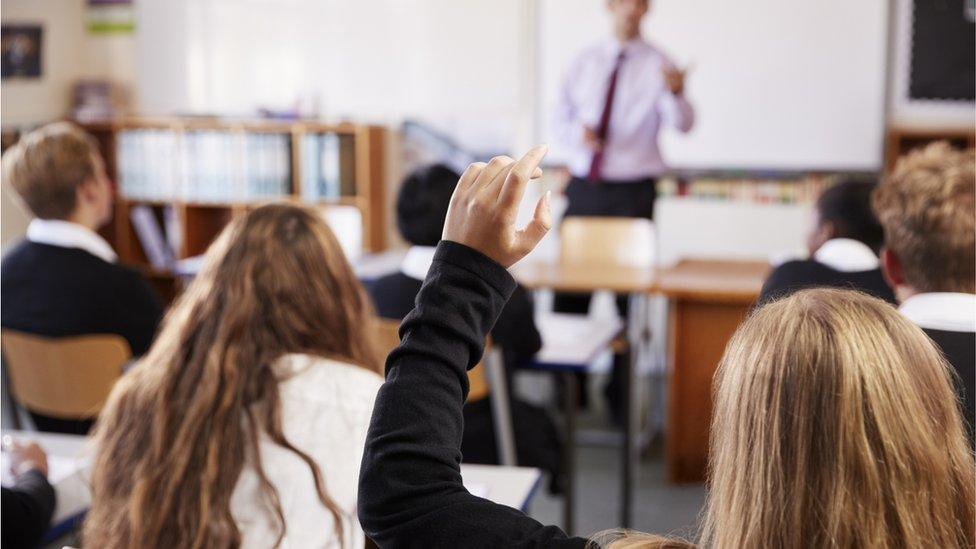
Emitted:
<point x="927" y="207"/>
<point x="245" y="423"/>
<point x="834" y="423"/>
<point x="64" y="279"/>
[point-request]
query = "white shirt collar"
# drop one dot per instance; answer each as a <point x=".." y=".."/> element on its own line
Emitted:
<point x="417" y="261"/>
<point x="847" y="255"/>
<point x="66" y="234"/>
<point x="952" y="312"/>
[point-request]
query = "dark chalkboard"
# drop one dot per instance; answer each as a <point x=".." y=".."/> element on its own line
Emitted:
<point x="943" y="63"/>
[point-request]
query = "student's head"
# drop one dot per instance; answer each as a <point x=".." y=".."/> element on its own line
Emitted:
<point x="177" y="430"/>
<point x="59" y="174"/>
<point x="926" y="206"/>
<point x="627" y="15"/>
<point x="835" y="424"/>
<point x="422" y="204"/>
<point x="844" y="211"/>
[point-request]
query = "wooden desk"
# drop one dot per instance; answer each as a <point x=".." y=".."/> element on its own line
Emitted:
<point x="588" y="277"/>
<point x="708" y="301"/>
<point x="572" y="277"/>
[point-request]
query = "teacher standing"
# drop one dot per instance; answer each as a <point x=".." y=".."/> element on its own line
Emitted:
<point x="615" y="99"/>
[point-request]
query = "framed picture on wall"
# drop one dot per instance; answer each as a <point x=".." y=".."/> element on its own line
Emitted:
<point x="20" y="54"/>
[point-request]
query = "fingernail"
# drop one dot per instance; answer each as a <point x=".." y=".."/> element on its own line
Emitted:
<point x="547" y="199"/>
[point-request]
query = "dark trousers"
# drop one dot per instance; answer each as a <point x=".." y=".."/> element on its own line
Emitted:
<point x="606" y="199"/>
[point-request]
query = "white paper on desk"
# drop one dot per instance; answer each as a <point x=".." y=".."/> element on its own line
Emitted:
<point x="480" y="490"/>
<point x="58" y="469"/>
<point x="574" y="339"/>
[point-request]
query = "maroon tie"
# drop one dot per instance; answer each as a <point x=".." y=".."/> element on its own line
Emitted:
<point x="603" y="128"/>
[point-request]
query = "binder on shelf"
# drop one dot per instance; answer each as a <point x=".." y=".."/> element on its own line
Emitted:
<point x="151" y="237"/>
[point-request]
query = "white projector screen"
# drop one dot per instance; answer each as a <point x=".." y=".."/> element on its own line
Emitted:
<point x="776" y="84"/>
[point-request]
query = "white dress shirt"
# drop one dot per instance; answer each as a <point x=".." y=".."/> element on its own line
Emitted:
<point x="66" y="234"/>
<point x="642" y="104"/>
<point x="325" y="409"/>
<point x="947" y="311"/>
<point x="847" y="255"/>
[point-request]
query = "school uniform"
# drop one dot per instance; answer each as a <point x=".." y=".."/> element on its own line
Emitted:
<point x="410" y="488"/>
<point x="64" y="280"/>
<point x="515" y="332"/>
<point x="838" y="263"/>
<point x="325" y="411"/>
<point x="949" y="319"/>
<point x="27" y="509"/>
<point x="537" y="440"/>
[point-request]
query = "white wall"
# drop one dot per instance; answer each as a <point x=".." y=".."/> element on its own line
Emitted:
<point x="459" y="64"/>
<point x="30" y="101"/>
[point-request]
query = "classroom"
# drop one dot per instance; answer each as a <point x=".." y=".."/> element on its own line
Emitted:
<point x="488" y="273"/>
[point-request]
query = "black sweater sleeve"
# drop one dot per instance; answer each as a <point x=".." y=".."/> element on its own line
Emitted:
<point x="410" y="490"/>
<point x="27" y="510"/>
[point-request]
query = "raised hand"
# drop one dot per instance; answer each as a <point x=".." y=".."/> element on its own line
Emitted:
<point x="485" y="203"/>
<point x="674" y="78"/>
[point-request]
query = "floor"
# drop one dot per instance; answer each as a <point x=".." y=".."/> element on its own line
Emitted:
<point x="659" y="507"/>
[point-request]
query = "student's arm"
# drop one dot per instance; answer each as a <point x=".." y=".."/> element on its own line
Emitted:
<point x="29" y="505"/>
<point x="410" y="491"/>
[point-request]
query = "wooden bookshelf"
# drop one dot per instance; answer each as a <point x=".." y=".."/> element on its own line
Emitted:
<point x="899" y="141"/>
<point x="201" y="220"/>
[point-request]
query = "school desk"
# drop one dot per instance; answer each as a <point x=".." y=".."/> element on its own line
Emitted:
<point x="707" y="301"/>
<point x="69" y="461"/>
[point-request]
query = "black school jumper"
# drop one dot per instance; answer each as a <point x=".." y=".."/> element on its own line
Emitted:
<point x="793" y="276"/>
<point x="959" y="349"/>
<point x="55" y="291"/>
<point x="410" y="490"/>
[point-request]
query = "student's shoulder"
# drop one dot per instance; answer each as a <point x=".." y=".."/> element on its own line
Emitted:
<point x="797" y="267"/>
<point x="322" y="378"/>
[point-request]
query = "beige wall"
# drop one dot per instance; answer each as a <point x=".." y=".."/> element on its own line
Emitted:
<point x="69" y="53"/>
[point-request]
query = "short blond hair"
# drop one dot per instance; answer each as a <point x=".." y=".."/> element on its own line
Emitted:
<point x="47" y="165"/>
<point x="926" y="206"/>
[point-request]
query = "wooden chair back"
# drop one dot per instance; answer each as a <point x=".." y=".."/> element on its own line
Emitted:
<point x="625" y="241"/>
<point x="387" y="337"/>
<point x="65" y="377"/>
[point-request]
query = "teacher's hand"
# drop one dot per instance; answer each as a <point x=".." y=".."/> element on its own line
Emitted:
<point x="591" y="139"/>
<point x="674" y="79"/>
<point x="485" y="203"/>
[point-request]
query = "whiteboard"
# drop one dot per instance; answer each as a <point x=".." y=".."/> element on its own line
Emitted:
<point x="776" y="84"/>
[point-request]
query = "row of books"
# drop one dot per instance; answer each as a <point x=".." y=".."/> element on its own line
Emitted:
<point x="803" y="190"/>
<point x="328" y="166"/>
<point x="203" y="166"/>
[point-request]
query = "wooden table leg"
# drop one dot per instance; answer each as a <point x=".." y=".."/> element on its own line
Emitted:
<point x="700" y="330"/>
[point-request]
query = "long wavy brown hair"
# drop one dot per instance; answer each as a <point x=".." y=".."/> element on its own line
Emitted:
<point x="178" y="429"/>
<point x="834" y="425"/>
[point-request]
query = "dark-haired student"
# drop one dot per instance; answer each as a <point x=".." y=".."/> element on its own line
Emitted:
<point x="844" y="243"/>
<point x="64" y="279"/>
<point x="421" y="207"/>
<point x="926" y="206"/>
<point x="795" y="380"/>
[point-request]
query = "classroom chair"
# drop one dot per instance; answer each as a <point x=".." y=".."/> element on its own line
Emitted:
<point x="67" y="377"/>
<point x="485" y="380"/>
<point x="625" y="241"/>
